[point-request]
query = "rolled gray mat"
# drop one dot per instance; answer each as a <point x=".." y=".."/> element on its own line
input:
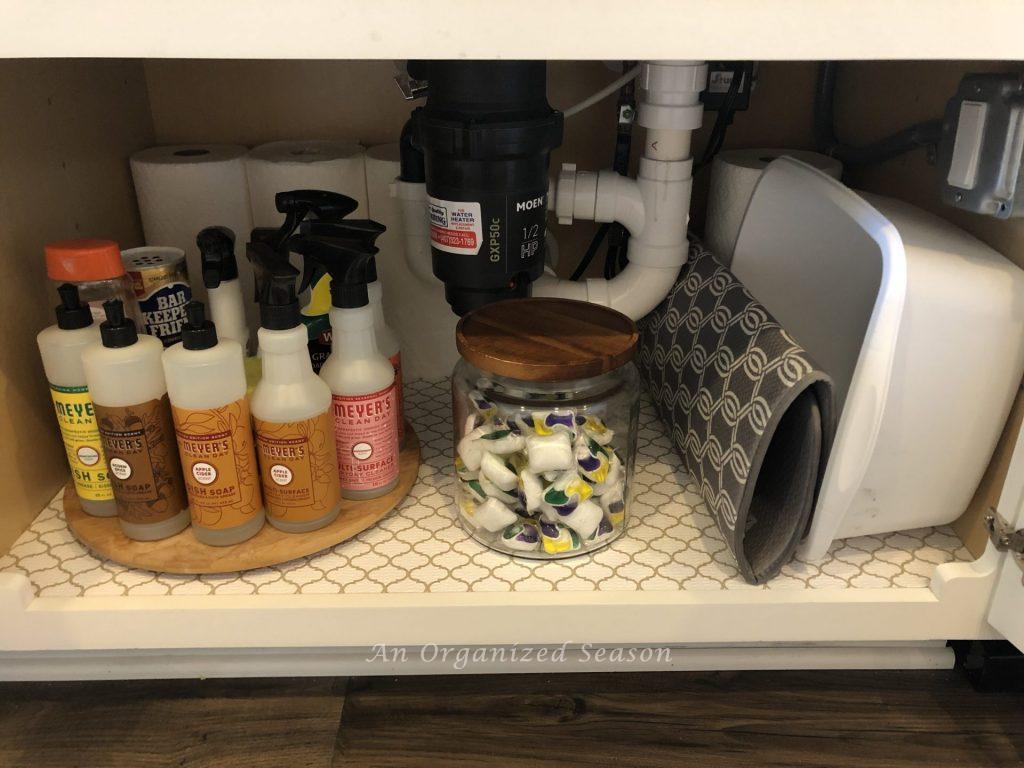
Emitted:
<point x="749" y="411"/>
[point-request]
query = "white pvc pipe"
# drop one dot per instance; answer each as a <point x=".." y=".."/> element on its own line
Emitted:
<point x="413" y="200"/>
<point x="634" y="292"/>
<point x="654" y="207"/>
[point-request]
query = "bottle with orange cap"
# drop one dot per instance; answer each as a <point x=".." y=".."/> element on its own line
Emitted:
<point x="95" y="268"/>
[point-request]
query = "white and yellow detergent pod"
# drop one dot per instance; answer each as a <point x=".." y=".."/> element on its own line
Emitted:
<point x="547" y="482"/>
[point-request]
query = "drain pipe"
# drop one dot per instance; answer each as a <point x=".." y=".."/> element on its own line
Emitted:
<point x="654" y="207"/>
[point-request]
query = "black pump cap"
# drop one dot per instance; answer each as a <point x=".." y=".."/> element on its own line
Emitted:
<point x="198" y="332"/>
<point x="71" y="312"/>
<point x="217" y="251"/>
<point x="279" y="304"/>
<point x="117" y="330"/>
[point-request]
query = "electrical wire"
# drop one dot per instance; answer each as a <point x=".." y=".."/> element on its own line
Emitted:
<point x="603" y="94"/>
<point x="592" y="249"/>
<point x="723" y="120"/>
<point x="919" y="135"/>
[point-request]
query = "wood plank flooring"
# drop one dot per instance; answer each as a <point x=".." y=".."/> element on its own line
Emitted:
<point x="764" y="719"/>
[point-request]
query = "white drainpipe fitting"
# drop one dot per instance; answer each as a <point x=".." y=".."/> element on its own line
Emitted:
<point x="654" y="207"/>
<point x="412" y="198"/>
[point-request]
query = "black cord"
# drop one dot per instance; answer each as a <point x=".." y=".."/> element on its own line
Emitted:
<point x="592" y="249"/>
<point x="919" y="135"/>
<point x="615" y="234"/>
<point x="723" y="120"/>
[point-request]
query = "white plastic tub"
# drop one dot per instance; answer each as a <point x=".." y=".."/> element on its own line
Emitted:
<point x="921" y="327"/>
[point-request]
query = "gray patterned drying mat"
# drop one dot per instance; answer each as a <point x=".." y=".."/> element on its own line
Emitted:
<point x="748" y="410"/>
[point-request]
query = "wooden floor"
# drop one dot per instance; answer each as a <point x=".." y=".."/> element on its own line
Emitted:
<point x="764" y="719"/>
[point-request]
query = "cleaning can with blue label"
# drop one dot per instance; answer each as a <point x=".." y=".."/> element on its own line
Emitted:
<point x="159" y="279"/>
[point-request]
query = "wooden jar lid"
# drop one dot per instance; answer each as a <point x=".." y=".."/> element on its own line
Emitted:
<point x="546" y="339"/>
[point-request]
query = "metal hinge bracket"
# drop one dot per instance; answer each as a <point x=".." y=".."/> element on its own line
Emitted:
<point x="1005" y="537"/>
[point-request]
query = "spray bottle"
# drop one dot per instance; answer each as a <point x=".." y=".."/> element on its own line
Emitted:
<point x="133" y="414"/>
<point x="361" y="378"/>
<point x="220" y="276"/>
<point x="361" y="232"/>
<point x="291" y="407"/>
<point x="61" y="347"/>
<point x="206" y="384"/>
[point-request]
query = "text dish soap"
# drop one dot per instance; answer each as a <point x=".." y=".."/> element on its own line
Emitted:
<point x="60" y="347"/>
<point x="292" y="409"/>
<point x="362" y="381"/>
<point x="206" y="384"/>
<point x="133" y="415"/>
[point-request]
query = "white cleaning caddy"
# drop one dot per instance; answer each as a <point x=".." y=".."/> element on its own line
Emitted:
<point x="921" y="327"/>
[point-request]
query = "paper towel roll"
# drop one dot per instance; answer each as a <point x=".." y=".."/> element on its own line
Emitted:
<point x="182" y="189"/>
<point x="734" y="175"/>
<point x="428" y="333"/>
<point x="284" y="165"/>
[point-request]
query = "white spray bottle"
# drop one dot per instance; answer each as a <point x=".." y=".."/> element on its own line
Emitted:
<point x="223" y="288"/>
<point x="361" y="378"/>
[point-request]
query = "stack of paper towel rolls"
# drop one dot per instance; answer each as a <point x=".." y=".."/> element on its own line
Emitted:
<point x="284" y="165"/>
<point x="185" y="188"/>
<point x="417" y="311"/>
<point x="734" y="175"/>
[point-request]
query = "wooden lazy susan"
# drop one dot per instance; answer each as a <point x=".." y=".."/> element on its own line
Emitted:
<point x="182" y="553"/>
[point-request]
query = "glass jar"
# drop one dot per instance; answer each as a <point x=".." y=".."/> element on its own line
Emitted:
<point x="95" y="268"/>
<point x="543" y="467"/>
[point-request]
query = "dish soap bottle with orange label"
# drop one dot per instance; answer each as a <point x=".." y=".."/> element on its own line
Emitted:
<point x="133" y="416"/>
<point x="291" y="408"/>
<point x="61" y="347"/>
<point x="361" y="378"/>
<point x="206" y="384"/>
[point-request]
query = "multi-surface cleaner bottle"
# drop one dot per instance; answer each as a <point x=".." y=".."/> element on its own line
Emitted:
<point x="133" y="415"/>
<point x="361" y="378"/>
<point x="61" y="347"/>
<point x="291" y="408"/>
<point x="206" y="384"/>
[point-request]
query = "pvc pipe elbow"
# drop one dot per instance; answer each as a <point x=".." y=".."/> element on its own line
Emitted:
<point x="634" y="292"/>
<point x="605" y="196"/>
<point x="412" y="197"/>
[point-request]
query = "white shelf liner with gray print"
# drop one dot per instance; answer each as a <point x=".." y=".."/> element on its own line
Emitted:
<point x="672" y="543"/>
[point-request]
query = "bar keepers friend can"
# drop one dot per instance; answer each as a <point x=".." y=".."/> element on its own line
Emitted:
<point x="159" y="280"/>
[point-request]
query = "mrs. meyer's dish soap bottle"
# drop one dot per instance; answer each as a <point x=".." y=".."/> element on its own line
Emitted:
<point x="128" y="392"/>
<point x="206" y="384"/>
<point x="61" y="347"/>
<point x="362" y="381"/>
<point x="291" y="407"/>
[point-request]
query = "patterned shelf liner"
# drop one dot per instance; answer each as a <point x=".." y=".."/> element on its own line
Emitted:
<point x="672" y="543"/>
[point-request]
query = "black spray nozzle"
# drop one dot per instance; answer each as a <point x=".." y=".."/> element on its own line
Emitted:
<point x="297" y="204"/>
<point x="197" y="332"/>
<point x="217" y="251"/>
<point x="361" y="231"/>
<point x="275" y="287"/>
<point x="117" y="330"/>
<point x="348" y="266"/>
<point x="71" y="312"/>
<point x="326" y="205"/>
